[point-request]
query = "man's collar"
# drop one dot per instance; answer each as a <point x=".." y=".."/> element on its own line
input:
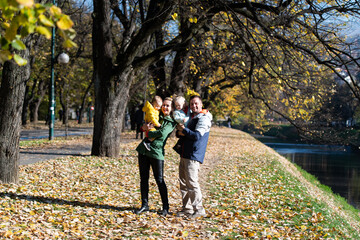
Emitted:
<point x="203" y="111"/>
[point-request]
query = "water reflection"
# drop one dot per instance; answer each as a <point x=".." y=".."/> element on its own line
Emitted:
<point x="335" y="166"/>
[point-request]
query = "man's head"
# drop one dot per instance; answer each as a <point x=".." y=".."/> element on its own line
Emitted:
<point x="196" y="104"/>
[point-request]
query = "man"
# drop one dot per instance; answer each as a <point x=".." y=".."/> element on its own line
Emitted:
<point x="193" y="142"/>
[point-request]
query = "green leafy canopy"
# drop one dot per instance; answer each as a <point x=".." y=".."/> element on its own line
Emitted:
<point x="24" y="17"/>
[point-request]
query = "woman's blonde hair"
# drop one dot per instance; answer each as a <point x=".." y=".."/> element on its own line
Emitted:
<point x="172" y="104"/>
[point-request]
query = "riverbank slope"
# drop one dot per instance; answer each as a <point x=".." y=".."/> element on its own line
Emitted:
<point x="249" y="191"/>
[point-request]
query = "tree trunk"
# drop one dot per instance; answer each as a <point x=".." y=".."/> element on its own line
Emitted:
<point x="157" y="70"/>
<point x="64" y="100"/>
<point x="65" y="118"/>
<point x="179" y="72"/>
<point x="35" y="110"/>
<point x="12" y="93"/>
<point x="24" y="113"/>
<point x="110" y="109"/>
<point x="83" y="102"/>
<point x="35" y="104"/>
<point x="107" y="127"/>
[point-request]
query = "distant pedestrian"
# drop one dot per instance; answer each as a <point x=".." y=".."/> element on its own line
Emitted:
<point x="60" y="112"/>
<point x="229" y="122"/>
<point x="127" y="120"/>
<point x="77" y="114"/>
<point x="139" y="120"/>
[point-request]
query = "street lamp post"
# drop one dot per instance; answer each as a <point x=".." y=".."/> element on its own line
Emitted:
<point x="62" y="58"/>
<point x="52" y="87"/>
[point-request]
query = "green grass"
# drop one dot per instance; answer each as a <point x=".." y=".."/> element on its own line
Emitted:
<point x="272" y="203"/>
<point x="33" y="143"/>
<point x="56" y="141"/>
<point x="342" y="203"/>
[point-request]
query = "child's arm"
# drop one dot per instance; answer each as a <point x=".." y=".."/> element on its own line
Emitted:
<point x="179" y="116"/>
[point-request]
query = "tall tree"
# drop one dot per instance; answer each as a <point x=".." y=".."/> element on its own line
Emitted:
<point x="272" y="36"/>
<point x="114" y="66"/>
<point x="281" y="53"/>
<point x="12" y="96"/>
<point x="19" y="23"/>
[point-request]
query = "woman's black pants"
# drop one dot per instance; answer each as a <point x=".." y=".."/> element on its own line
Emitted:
<point x="158" y="169"/>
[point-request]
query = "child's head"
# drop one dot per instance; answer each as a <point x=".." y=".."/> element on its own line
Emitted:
<point x="156" y="102"/>
<point x="179" y="102"/>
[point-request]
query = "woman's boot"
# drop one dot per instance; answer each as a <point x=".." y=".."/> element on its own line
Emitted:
<point x="165" y="210"/>
<point x="143" y="208"/>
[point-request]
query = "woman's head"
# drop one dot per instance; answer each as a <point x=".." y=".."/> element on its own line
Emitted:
<point x="167" y="106"/>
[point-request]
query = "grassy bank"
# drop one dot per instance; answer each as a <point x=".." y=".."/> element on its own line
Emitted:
<point x="249" y="192"/>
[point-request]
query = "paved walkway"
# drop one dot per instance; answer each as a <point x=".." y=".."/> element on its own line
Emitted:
<point x="44" y="133"/>
<point x="35" y="154"/>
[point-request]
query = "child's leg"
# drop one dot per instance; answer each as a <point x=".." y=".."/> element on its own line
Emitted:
<point x="150" y="139"/>
<point x="147" y="140"/>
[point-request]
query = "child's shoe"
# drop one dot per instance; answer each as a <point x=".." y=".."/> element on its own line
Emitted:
<point x="147" y="146"/>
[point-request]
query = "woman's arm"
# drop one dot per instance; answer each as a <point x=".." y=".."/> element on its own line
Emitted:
<point x="165" y="129"/>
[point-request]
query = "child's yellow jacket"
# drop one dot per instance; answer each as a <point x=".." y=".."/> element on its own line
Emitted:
<point x="151" y="114"/>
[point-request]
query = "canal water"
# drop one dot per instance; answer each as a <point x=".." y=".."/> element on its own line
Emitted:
<point x="335" y="166"/>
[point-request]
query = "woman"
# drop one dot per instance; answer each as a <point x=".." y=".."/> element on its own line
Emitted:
<point x="155" y="158"/>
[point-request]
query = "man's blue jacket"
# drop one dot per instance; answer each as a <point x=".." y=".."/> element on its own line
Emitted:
<point x="193" y="144"/>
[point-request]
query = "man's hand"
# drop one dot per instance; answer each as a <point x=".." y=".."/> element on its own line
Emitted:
<point x="180" y="128"/>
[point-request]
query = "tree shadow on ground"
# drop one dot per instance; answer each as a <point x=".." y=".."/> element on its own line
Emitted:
<point x="52" y="153"/>
<point x="58" y="201"/>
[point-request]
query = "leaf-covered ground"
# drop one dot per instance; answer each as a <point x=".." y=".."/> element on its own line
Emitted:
<point x="248" y="193"/>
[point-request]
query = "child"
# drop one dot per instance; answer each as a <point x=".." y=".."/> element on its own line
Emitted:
<point x="151" y="111"/>
<point x="181" y="113"/>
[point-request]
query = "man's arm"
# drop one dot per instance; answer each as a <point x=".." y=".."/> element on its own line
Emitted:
<point x="202" y="127"/>
<point x="193" y="135"/>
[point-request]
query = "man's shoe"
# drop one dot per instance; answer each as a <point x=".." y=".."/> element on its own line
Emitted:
<point x="142" y="209"/>
<point x="164" y="212"/>
<point x="183" y="214"/>
<point x="197" y="215"/>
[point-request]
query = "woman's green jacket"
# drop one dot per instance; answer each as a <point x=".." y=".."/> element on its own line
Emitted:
<point x="157" y="147"/>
